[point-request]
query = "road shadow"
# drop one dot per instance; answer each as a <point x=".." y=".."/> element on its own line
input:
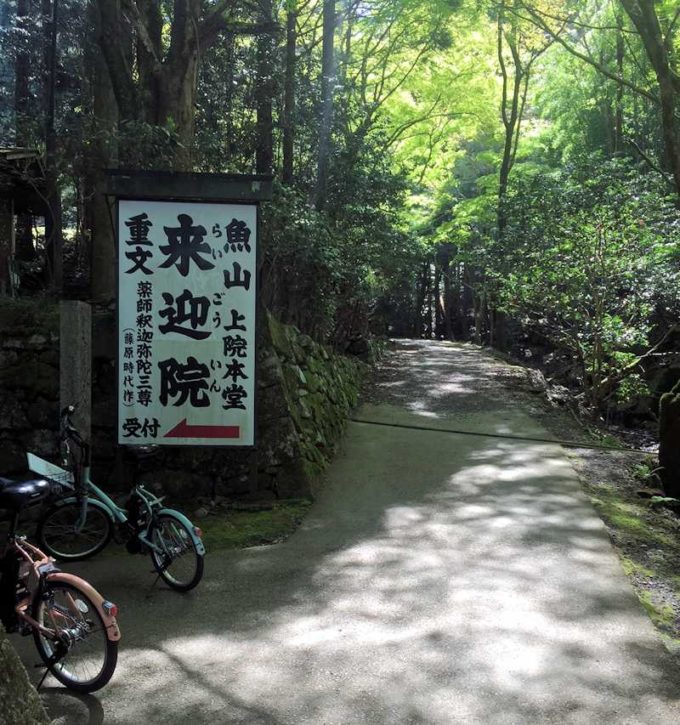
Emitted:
<point x="437" y="579"/>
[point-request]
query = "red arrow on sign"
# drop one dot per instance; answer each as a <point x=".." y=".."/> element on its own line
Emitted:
<point x="184" y="430"/>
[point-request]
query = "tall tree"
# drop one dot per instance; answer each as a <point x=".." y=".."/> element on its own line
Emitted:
<point x="288" y="120"/>
<point x="53" y="218"/>
<point x="327" y="89"/>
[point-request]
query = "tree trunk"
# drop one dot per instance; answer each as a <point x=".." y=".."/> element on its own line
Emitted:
<point x="289" y="95"/>
<point x="618" y="108"/>
<point x="264" y="152"/>
<point x="229" y="142"/>
<point x="643" y="16"/>
<point x="178" y="81"/>
<point x="449" y="307"/>
<point x="147" y="59"/>
<point x="53" y="217"/>
<point x="99" y="215"/>
<point x="327" y="87"/>
<point x="669" y="435"/>
<point x="24" y="248"/>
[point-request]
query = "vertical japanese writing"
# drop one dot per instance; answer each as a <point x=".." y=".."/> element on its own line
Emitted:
<point x="128" y="384"/>
<point x="187" y="281"/>
<point x="144" y="349"/>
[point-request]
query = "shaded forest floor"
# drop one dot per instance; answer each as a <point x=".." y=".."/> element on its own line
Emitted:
<point x="646" y="535"/>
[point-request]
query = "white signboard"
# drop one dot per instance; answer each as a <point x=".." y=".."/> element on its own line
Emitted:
<point x="186" y="327"/>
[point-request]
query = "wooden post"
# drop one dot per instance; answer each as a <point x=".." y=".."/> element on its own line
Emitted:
<point x="6" y="245"/>
<point x="75" y="362"/>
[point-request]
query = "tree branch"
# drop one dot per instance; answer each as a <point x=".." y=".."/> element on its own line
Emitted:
<point x="537" y="20"/>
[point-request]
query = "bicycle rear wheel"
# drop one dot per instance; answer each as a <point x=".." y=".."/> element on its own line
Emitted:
<point x="177" y="560"/>
<point x="57" y="533"/>
<point x="78" y="652"/>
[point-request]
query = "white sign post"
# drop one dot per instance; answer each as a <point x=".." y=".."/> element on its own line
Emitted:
<point x="186" y="323"/>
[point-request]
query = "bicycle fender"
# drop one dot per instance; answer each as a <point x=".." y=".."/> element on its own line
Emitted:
<point x="181" y="517"/>
<point x="112" y="630"/>
<point x="90" y="502"/>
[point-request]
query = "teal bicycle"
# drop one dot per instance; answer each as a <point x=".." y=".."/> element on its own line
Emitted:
<point x="83" y="519"/>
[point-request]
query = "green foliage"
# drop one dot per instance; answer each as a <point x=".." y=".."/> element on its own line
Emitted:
<point x="589" y="256"/>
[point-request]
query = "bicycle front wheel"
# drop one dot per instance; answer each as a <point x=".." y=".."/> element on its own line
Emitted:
<point x="57" y="533"/>
<point x="175" y="556"/>
<point x="77" y="651"/>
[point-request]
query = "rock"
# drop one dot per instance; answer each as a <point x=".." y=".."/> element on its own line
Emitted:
<point x="201" y="513"/>
<point x="19" y="701"/>
<point x="536" y="382"/>
<point x="558" y="394"/>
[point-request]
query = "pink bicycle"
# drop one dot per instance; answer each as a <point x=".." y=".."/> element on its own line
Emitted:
<point x="74" y="628"/>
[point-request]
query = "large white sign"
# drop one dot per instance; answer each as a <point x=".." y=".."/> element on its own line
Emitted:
<point x="186" y="323"/>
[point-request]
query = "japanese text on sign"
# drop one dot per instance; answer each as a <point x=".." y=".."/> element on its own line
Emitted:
<point x="186" y="323"/>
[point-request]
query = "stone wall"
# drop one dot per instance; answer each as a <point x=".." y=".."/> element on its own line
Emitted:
<point x="305" y="393"/>
<point x="29" y="383"/>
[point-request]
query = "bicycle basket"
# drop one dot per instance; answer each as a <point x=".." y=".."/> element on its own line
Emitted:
<point x="60" y="480"/>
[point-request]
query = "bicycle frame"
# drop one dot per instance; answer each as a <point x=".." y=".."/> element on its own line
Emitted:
<point x="152" y="503"/>
<point x="35" y="569"/>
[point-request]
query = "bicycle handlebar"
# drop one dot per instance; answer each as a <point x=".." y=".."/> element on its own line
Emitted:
<point x="69" y="433"/>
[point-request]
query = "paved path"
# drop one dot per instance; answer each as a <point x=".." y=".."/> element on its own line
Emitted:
<point x="438" y="579"/>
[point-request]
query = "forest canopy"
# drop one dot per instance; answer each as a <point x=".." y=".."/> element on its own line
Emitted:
<point x="501" y="171"/>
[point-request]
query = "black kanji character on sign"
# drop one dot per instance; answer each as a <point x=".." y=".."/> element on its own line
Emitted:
<point x="127" y="397"/>
<point x="235" y="346"/>
<point x="131" y="428"/>
<point x="150" y="428"/>
<point x="233" y="397"/>
<point x="144" y="321"/>
<point x="189" y="309"/>
<point x="144" y="398"/>
<point x="184" y="381"/>
<point x="144" y="367"/>
<point x="235" y="371"/>
<point x="185" y="243"/>
<point x="128" y="338"/>
<point x="238" y="236"/>
<point x="139" y="257"/>
<point x="144" y="305"/>
<point x="237" y="280"/>
<point x="144" y="351"/>
<point x="144" y="290"/>
<point x="235" y="320"/>
<point x="139" y="229"/>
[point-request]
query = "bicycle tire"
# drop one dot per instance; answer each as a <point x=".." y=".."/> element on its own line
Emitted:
<point x="56" y="534"/>
<point x="181" y="565"/>
<point x="85" y="658"/>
